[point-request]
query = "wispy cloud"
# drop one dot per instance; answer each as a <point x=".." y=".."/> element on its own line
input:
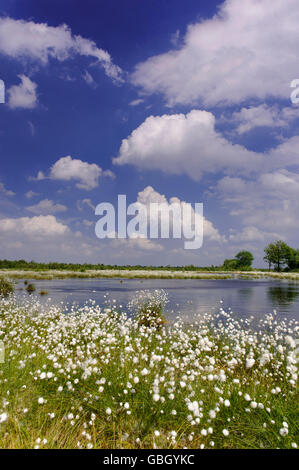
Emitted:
<point x="23" y="95"/>
<point x="22" y="39"/>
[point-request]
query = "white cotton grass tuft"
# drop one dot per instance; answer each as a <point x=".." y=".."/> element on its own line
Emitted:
<point x="3" y="417"/>
<point x="86" y="373"/>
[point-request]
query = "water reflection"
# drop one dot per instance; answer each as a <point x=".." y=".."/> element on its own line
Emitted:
<point x="283" y="295"/>
<point x="246" y="293"/>
<point x="187" y="297"/>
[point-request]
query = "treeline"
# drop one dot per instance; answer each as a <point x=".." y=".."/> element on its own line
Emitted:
<point x="34" y="266"/>
<point x="282" y="256"/>
<point x="278" y="255"/>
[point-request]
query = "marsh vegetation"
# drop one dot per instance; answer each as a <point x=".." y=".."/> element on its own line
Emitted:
<point x="97" y="378"/>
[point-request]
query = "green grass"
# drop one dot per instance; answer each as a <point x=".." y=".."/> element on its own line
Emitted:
<point x="144" y="274"/>
<point x="88" y="347"/>
<point x="6" y="287"/>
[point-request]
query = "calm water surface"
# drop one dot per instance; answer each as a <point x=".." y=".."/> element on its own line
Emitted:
<point x="186" y="297"/>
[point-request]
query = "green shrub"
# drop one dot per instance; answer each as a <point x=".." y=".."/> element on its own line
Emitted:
<point x="6" y="287"/>
<point x="44" y="292"/>
<point x="148" y="307"/>
<point x="30" y="288"/>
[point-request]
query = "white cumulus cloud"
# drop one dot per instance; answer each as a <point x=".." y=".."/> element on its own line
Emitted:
<point x="23" y="95"/>
<point x="179" y="143"/>
<point x="46" y="206"/>
<point x="149" y="195"/>
<point x="268" y="205"/>
<point x="263" y="115"/>
<point x="248" y="49"/>
<point x="67" y="169"/>
<point x="37" y="226"/>
<point x="190" y="144"/>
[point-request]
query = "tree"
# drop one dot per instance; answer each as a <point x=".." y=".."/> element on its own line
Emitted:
<point x="241" y="261"/>
<point x="293" y="259"/>
<point x="277" y="253"/>
<point x="244" y="259"/>
<point x="230" y="264"/>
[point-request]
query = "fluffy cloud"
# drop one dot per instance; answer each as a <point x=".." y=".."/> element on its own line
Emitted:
<point x="21" y="39"/>
<point x="179" y="143"/>
<point x="68" y="169"/>
<point x="270" y="204"/>
<point x="135" y="243"/>
<point x="249" y="49"/>
<point x="263" y="115"/>
<point x="37" y="226"/>
<point x="281" y="185"/>
<point x="190" y="144"/>
<point x="29" y="194"/>
<point x="23" y="95"/>
<point x="252" y="234"/>
<point x="46" y="206"/>
<point x="44" y="238"/>
<point x="149" y="195"/>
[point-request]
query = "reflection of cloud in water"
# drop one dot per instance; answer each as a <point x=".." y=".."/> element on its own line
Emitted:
<point x="186" y="297"/>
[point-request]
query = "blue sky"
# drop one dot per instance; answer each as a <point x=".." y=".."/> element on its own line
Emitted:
<point x="155" y="100"/>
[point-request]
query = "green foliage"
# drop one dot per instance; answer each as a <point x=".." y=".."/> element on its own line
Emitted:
<point x="23" y="265"/>
<point x="293" y="259"/>
<point x="148" y="307"/>
<point x="277" y="254"/>
<point x="244" y="259"/>
<point x="151" y="316"/>
<point x="30" y="288"/>
<point x="6" y="287"/>
<point x="230" y="264"/>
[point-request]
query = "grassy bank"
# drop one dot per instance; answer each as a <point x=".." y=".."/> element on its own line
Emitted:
<point x="144" y="274"/>
<point x="95" y="378"/>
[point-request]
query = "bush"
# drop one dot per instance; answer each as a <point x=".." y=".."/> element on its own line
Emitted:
<point x="43" y="292"/>
<point x="230" y="264"/>
<point x="6" y="287"/>
<point x="148" y="307"/>
<point x="30" y="288"/>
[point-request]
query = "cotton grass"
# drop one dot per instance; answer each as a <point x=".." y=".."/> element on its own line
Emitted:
<point x="97" y="378"/>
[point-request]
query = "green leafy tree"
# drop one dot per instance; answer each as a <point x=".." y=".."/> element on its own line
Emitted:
<point x="230" y="264"/>
<point x="293" y="259"/>
<point x="277" y="253"/>
<point x="244" y="259"/>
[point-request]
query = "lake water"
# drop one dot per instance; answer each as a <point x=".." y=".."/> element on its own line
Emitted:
<point x="186" y="297"/>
